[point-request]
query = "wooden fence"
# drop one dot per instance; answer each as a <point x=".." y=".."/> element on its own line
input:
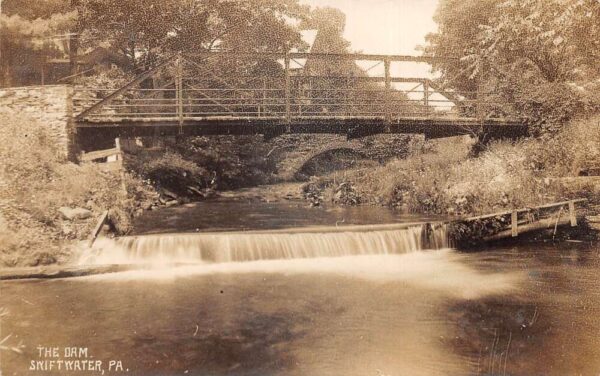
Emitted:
<point x="113" y="157"/>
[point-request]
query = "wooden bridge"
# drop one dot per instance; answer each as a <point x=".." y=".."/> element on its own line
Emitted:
<point x="221" y="93"/>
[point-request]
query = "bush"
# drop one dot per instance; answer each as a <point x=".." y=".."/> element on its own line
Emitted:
<point x="36" y="181"/>
<point x="575" y="148"/>
<point x="442" y="179"/>
<point x="169" y="170"/>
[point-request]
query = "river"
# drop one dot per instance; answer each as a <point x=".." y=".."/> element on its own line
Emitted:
<point x="377" y="304"/>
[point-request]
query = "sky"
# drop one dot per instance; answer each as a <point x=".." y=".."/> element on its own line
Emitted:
<point x="387" y="27"/>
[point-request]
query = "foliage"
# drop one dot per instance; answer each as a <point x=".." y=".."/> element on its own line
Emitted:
<point x="169" y="170"/>
<point x="26" y="43"/>
<point x="219" y="162"/>
<point x="443" y="179"/>
<point x="357" y="96"/>
<point x="145" y="29"/>
<point x="574" y="149"/>
<point x="472" y="233"/>
<point x="534" y="58"/>
<point x="234" y="161"/>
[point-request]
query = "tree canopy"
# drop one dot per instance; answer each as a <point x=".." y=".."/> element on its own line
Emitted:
<point x="539" y="56"/>
<point x="145" y="30"/>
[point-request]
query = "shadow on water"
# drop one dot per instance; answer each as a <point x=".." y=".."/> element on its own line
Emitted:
<point x="252" y="347"/>
<point x="550" y="327"/>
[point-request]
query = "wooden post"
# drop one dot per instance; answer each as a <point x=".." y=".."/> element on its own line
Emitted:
<point x="179" y="94"/>
<point x="98" y="228"/>
<point x="572" y="214"/>
<point x="288" y="115"/>
<point x="514" y="223"/>
<point x="121" y="166"/>
<point x="388" y="93"/>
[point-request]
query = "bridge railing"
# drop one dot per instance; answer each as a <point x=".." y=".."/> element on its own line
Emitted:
<point x="273" y="103"/>
<point x="205" y="89"/>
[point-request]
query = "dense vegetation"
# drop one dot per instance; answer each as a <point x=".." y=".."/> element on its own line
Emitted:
<point x="443" y="177"/>
<point x="534" y="59"/>
<point x="36" y="182"/>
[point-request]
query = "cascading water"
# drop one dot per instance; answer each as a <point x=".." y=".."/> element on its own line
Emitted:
<point x="280" y="244"/>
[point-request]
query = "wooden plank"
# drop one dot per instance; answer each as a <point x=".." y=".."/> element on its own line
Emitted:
<point x="514" y="223"/>
<point x="98" y="228"/>
<point x="93" y="155"/>
<point x="546" y="206"/>
<point x="572" y="214"/>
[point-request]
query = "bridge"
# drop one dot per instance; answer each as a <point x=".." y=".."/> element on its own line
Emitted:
<point x="227" y="93"/>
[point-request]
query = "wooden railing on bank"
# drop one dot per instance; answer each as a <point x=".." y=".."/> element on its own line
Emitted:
<point x="524" y="220"/>
<point x="113" y="157"/>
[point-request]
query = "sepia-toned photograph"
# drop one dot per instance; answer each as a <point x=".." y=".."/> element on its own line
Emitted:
<point x="300" y="187"/>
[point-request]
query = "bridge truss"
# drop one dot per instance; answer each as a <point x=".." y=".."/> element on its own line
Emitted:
<point x="272" y="94"/>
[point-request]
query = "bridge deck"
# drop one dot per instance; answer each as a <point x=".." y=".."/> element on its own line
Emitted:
<point x="350" y="125"/>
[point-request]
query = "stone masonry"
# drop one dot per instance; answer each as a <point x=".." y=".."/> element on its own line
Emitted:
<point x="50" y="106"/>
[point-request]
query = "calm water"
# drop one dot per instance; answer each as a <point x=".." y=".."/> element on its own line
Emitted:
<point x="228" y="215"/>
<point x="529" y="310"/>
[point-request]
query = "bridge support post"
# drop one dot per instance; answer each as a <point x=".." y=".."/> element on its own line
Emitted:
<point x="179" y="94"/>
<point x="388" y="93"/>
<point x="288" y="115"/>
<point x="426" y="97"/>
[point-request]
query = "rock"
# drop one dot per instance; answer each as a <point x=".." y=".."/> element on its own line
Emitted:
<point x="168" y="193"/>
<point x="196" y="191"/>
<point x="73" y="214"/>
<point x="593" y="218"/>
<point x="168" y="204"/>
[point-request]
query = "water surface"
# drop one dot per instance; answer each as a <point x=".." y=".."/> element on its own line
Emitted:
<point x="383" y="305"/>
<point x="514" y="311"/>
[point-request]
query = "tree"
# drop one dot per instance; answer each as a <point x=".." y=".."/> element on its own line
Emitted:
<point x="26" y="44"/>
<point x="145" y="29"/>
<point x="529" y="58"/>
<point x="339" y="87"/>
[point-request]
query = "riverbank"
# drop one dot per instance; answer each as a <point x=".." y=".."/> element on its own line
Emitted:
<point x="448" y="179"/>
<point x="49" y="204"/>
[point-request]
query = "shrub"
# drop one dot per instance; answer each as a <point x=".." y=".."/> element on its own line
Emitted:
<point x="36" y="181"/>
<point x="442" y="179"/>
<point x="169" y="170"/>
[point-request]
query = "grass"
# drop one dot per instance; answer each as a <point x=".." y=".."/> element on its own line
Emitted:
<point x="36" y="181"/>
<point x="443" y="177"/>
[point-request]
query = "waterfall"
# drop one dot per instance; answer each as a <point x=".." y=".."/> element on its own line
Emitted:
<point x="260" y="245"/>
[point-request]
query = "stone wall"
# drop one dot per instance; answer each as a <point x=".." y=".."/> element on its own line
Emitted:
<point x="49" y="106"/>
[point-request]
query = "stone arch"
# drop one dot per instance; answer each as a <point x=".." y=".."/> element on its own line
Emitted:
<point x="289" y="168"/>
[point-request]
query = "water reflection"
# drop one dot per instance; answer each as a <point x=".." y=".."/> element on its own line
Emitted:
<point x="229" y="215"/>
<point x="515" y="311"/>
